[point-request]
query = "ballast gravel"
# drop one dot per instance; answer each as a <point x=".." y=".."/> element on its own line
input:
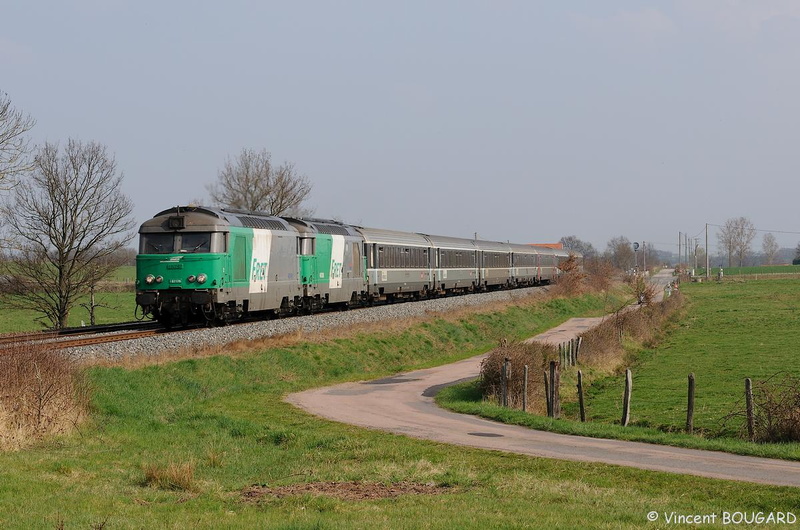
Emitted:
<point x="318" y="323"/>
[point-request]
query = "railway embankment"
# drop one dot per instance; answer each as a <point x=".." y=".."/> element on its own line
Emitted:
<point x="311" y="327"/>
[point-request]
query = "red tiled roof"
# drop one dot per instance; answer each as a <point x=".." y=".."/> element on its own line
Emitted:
<point x="558" y="246"/>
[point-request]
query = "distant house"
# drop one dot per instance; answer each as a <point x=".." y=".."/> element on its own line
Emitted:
<point x="557" y="246"/>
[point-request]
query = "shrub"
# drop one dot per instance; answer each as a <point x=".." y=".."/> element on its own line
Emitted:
<point x="535" y="355"/>
<point x="600" y="274"/>
<point x="603" y="345"/>
<point x="602" y="348"/>
<point x="571" y="281"/>
<point x="776" y="410"/>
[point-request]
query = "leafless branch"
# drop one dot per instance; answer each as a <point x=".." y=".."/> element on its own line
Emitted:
<point x="13" y="142"/>
<point x="251" y="182"/>
<point x="66" y="222"/>
<point x="736" y="236"/>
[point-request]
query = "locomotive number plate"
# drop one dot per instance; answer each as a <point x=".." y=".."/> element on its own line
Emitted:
<point x="174" y="266"/>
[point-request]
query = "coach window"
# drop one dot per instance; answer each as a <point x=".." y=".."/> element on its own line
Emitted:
<point x="356" y="259"/>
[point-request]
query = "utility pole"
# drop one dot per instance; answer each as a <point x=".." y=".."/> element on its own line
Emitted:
<point x="686" y="248"/>
<point x="708" y="272"/>
<point x="696" y="244"/>
<point x="680" y="235"/>
<point x="644" y="256"/>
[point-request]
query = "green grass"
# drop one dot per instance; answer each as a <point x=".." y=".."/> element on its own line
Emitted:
<point x="119" y="308"/>
<point x="223" y="419"/>
<point x="126" y="273"/>
<point x="466" y="398"/>
<point x="729" y="331"/>
<point x="743" y="271"/>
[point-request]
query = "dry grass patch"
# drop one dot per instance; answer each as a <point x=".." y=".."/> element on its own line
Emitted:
<point x="42" y="393"/>
<point x="173" y="476"/>
<point x="348" y="491"/>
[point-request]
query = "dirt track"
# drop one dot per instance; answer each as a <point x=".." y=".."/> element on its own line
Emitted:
<point x="403" y="404"/>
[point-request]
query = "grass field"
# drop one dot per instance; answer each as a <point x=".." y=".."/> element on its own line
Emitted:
<point x="730" y="331"/>
<point x="117" y="307"/>
<point x="126" y="274"/>
<point x="175" y="446"/>
<point x="749" y="271"/>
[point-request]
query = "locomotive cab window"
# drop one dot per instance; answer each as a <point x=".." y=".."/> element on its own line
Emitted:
<point x="157" y="244"/>
<point x="194" y="242"/>
<point x="183" y="243"/>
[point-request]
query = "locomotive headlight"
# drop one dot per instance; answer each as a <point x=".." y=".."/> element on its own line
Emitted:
<point x="149" y="279"/>
<point x="159" y="279"/>
<point x="201" y="278"/>
<point x="191" y="278"/>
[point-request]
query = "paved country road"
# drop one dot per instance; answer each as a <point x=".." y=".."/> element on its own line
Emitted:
<point x="403" y="404"/>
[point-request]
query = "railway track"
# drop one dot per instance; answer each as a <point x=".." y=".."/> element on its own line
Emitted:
<point x="118" y="333"/>
<point x="85" y="336"/>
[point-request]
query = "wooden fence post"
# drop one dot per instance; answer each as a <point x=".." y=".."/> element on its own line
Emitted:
<point x="547" y="396"/>
<point x="555" y="379"/>
<point x="748" y="394"/>
<point x="690" y="407"/>
<point x="580" y="396"/>
<point x="626" y="399"/>
<point x="525" y="391"/>
<point x="505" y="382"/>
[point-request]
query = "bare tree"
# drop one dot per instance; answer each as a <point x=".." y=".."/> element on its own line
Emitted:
<point x="252" y="182"/>
<point x="13" y="142"/>
<point x="65" y="222"/>
<point x="620" y="253"/>
<point x="578" y="245"/>
<point x="770" y="248"/>
<point x="727" y="240"/>
<point x="736" y="236"/>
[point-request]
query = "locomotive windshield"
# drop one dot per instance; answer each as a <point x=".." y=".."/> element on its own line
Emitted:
<point x="157" y="244"/>
<point x="182" y="243"/>
<point x="195" y="242"/>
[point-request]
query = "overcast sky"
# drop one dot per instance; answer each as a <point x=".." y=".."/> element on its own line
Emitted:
<point x="519" y="120"/>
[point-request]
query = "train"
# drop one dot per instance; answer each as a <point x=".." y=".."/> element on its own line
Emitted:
<point x="199" y="264"/>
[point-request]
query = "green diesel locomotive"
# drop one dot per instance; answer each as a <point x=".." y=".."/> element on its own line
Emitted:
<point x="216" y="265"/>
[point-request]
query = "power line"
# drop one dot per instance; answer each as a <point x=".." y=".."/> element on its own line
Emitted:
<point x="761" y="230"/>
